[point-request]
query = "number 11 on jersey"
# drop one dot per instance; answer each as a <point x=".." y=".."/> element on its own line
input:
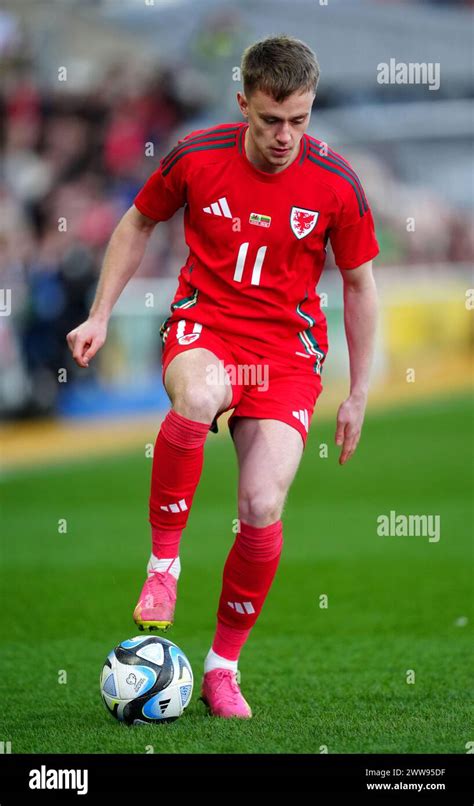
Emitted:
<point x="257" y="266"/>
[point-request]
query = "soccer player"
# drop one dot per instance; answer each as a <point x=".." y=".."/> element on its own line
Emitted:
<point x="245" y="331"/>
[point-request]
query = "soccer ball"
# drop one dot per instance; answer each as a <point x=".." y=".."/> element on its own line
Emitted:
<point x="146" y="680"/>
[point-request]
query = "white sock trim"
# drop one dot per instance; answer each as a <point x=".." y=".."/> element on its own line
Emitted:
<point x="170" y="564"/>
<point x="215" y="661"/>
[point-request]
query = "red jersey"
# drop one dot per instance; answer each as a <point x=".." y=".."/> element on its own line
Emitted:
<point x="257" y="241"/>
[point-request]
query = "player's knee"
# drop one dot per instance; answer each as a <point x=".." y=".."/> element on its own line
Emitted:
<point x="197" y="402"/>
<point x="260" y="508"/>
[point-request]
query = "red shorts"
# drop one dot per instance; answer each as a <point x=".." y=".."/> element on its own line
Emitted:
<point x="262" y="387"/>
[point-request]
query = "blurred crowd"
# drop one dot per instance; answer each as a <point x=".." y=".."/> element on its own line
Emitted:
<point x="72" y="164"/>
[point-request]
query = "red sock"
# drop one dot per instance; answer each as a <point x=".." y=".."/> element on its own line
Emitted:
<point x="248" y="575"/>
<point x="165" y="543"/>
<point x="177" y="465"/>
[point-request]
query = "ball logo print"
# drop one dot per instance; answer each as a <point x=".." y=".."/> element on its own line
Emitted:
<point x="303" y="221"/>
<point x="132" y="681"/>
<point x="157" y="690"/>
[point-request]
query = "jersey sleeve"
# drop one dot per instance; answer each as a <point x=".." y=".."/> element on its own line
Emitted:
<point x="353" y="238"/>
<point x="165" y="191"/>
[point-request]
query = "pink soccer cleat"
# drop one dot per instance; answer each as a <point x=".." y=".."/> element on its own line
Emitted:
<point x="155" y="608"/>
<point x="222" y="695"/>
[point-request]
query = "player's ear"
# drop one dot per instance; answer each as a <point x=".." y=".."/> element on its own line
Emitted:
<point x="243" y="103"/>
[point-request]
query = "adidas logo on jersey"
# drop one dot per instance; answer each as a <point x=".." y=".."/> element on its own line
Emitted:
<point x="220" y="208"/>
<point x="242" y="607"/>
<point x="302" y="416"/>
<point x="181" y="506"/>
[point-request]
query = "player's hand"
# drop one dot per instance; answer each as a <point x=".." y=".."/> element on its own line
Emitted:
<point x="86" y="339"/>
<point x="350" y="417"/>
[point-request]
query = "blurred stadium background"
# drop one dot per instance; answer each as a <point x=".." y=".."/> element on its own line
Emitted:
<point x="74" y="152"/>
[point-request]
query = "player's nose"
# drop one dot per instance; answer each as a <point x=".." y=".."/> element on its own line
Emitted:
<point x="284" y="136"/>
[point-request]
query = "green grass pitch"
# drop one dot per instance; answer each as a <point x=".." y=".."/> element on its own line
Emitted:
<point x="316" y="678"/>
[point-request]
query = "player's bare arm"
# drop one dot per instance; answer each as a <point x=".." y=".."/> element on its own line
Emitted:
<point x="360" y="321"/>
<point x="122" y="258"/>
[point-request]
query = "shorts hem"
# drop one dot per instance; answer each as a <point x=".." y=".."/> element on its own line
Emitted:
<point x="283" y="419"/>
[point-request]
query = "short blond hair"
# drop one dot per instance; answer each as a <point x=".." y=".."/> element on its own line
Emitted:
<point x="279" y="66"/>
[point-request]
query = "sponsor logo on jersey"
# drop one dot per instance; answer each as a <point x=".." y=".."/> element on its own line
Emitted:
<point x="303" y="221"/>
<point x="260" y="220"/>
<point x="242" y="607"/>
<point x="220" y="208"/>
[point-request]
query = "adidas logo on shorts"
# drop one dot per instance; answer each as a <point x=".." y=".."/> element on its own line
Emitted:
<point x="302" y="416"/>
